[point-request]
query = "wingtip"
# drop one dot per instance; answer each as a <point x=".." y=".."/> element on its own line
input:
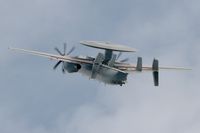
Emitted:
<point x="11" y="48"/>
<point x="176" y="68"/>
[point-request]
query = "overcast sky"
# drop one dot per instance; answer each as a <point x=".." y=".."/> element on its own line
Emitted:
<point x="36" y="99"/>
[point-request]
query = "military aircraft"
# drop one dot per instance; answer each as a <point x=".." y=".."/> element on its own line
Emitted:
<point x="105" y="66"/>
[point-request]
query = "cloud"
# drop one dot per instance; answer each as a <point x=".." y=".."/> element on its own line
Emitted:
<point x="36" y="99"/>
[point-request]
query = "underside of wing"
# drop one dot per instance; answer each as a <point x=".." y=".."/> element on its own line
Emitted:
<point x="140" y="67"/>
<point x="65" y="58"/>
<point x="154" y="68"/>
<point x="132" y="67"/>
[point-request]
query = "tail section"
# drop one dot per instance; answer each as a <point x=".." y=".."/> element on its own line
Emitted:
<point x="139" y="64"/>
<point x="155" y="69"/>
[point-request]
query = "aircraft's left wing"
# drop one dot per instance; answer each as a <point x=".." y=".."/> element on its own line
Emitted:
<point x="65" y="58"/>
<point x="154" y="68"/>
<point x="132" y="67"/>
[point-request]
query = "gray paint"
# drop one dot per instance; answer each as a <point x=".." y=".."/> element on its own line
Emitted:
<point x="34" y="98"/>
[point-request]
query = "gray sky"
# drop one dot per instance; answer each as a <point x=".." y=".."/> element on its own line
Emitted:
<point x="36" y="99"/>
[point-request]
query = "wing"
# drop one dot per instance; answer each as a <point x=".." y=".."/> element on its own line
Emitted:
<point x="139" y="67"/>
<point x="62" y="58"/>
<point x="54" y="57"/>
<point x="132" y="67"/>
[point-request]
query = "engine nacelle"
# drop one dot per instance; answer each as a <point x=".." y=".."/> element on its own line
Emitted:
<point x="72" y="67"/>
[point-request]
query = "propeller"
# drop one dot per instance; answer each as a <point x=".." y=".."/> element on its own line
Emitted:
<point x="63" y="54"/>
<point x="120" y="53"/>
<point x="123" y="60"/>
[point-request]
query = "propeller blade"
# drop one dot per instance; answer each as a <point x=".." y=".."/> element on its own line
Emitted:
<point x="65" y="47"/>
<point x="124" y="60"/>
<point x="63" y="70"/>
<point x="120" y="53"/>
<point x="56" y="65"/>
<point x="58" y="51"/>
<point x="71" y="50"/>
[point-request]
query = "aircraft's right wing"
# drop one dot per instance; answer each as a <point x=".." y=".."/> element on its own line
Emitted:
<point x="65" y="58"/>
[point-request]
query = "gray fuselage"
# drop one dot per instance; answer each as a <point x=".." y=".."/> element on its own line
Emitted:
<point x="103" y="74"/>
